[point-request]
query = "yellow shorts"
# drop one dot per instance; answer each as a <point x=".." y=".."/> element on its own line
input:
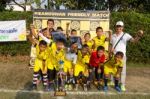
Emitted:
<point x="78" y="68"/>
<point x="108" y="70"/>
<point x="67" y="66"/>
<point x="39" y="66"/>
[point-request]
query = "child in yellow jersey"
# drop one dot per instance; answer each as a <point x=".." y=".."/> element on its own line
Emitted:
<point x="56" y="54"/>
<point x="40" y="68"/>
<point x="81" y="70"/>
<point x="100" y="39"/>
<point x="87" y="41"/>
<point x="114" y="67"/>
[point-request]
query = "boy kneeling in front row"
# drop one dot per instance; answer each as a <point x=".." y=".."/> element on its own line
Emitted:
<point x="114" y="67"/>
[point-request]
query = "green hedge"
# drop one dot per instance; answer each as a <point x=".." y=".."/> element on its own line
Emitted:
<point x="139" y="52"/>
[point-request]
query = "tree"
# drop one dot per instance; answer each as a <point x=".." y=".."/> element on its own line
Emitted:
<point x="3" y="4"/>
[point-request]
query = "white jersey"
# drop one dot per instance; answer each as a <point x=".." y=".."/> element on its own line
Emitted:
<point x="71" y="56"/>
<point x="121" y="46"/>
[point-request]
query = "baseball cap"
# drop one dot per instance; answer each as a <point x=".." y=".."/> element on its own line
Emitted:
<point x="119" y="23"/>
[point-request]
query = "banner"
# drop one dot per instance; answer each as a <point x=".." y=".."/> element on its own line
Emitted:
<point x="12" y="31"/>
<point x="82" y="21"/>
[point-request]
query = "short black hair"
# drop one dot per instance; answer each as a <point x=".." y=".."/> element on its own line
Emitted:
<point x="100" y="48"/>
<point x="50" y="20"/>
<point x="85" y="46"/>
<point x="42" y="42"/>
<point x="99" y="28"/>
<point x="87" y="34"/>
<point x="62" y="40"/>
<point x="119" y="53"/>
<point x="59" y="28"/>
<point x="73" y="30"/>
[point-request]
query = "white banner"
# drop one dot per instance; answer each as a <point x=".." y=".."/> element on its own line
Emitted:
<point x="12" y="30"/>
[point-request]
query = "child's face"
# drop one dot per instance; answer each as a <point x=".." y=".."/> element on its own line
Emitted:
<point x="119" y="29"/>
<point x="84" y="51"/>
<point x="45" y="33"/>
<point x="99" y="32"/>
<point x="50" y="24"/>
<point x="87" y="37"/>
<point x="100" y="53"/>
<point x="118" y="58"/>
<point x="59" y="45"/>
<point x="74" y="47"/>
<point x="73" y="33"/>
<point x="42" y="48"/>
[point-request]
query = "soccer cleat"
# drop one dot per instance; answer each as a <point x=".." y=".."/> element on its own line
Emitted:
<point x="118" y="88"/>
<point x="105" y="88"/>
<point x="99" y="87"/>
<point x="69" y="87"/>
<point x="34" y="87"/>
<point x="123" y="88"/>
<point x="66" y="87"/>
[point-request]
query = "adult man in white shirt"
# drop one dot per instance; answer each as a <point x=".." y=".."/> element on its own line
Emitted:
<point x="119" y="42"/>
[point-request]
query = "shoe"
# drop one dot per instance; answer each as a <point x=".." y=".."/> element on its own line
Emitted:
<point x="66" y="87"/>
<point x="34" y="87"/>
<point x="105" y="88"/>
<point x="51" y="87"/>
<point x="69" y="87"/>
<point x="123" y="88"/>
<point x="118" y="88"/>
<point x="99" y="87"/>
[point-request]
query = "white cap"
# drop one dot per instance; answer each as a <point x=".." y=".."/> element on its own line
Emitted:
<point x="120" y="23"/>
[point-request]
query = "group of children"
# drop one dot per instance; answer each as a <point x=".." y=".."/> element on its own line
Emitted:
<point x="79" y="66"/>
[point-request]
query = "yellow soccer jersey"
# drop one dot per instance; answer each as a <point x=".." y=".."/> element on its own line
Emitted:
<point x="54" y="57"/>
<point x="89" y="43"/>
<point x="110" y="67"/>
<point x="83" y="59"/>
<point x="81" y="65"/>
<point x="99" y="41"/>
<point x="41" y="56"/>
<point x="112" y="64"/>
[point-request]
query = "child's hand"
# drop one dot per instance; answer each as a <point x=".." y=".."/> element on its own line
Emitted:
<point x="140" y="33"/>
<point x="117" y="75"/>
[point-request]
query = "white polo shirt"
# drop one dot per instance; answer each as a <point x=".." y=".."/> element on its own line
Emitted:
<point x="121" y="46"/>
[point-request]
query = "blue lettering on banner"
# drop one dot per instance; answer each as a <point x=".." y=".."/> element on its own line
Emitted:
<point x="13" y="30"/>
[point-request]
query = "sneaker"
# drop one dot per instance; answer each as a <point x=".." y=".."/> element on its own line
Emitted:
<point x="51" y="87"/>
<point x="34" y="87"/>
<point x="69" y="87"/>
<point x="123" y="88"/>
<point x="85" y="87"/>
<point x="66" y="87"/>
<point x="105" y="88"/>
<point x="118" y="88"/>
<point x="99" y="87"/>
